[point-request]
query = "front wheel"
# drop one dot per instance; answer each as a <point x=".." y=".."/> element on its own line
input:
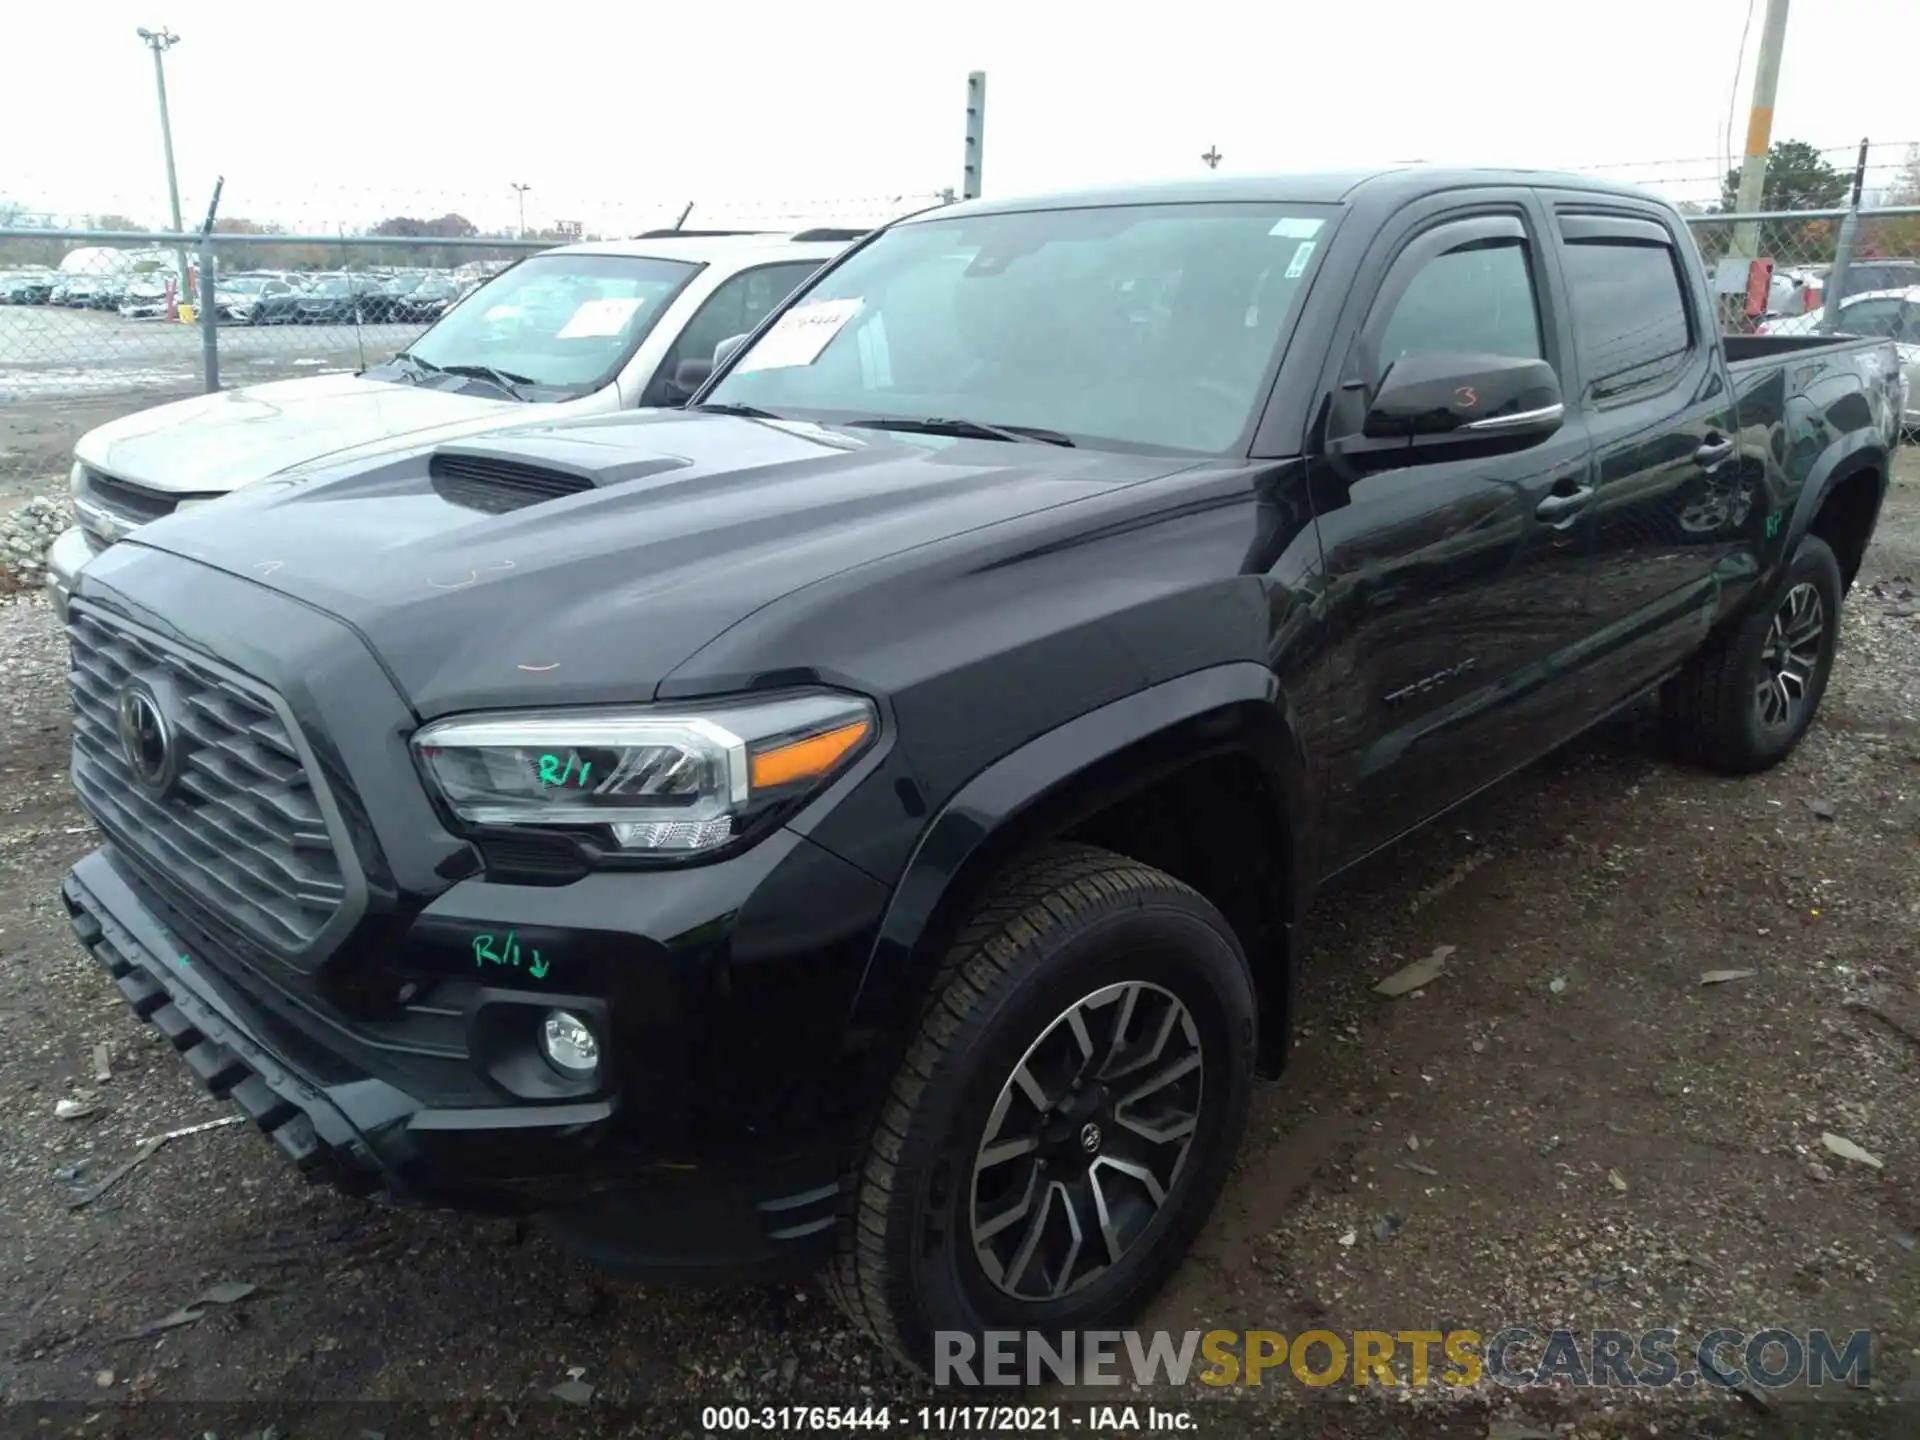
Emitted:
<point x="1743" y="703"/>
<point x="1064" y="1118"/>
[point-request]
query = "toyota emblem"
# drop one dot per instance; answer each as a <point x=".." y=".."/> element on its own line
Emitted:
<point x="147" y="740"/>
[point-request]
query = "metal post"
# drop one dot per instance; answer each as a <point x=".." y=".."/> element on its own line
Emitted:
<point x="1753" y="169"/>
<point x="209" y="317"/>
<point x="976" y="135"/>
<point x="208" y="311"/>
<point x="1835" y="288"/>
<point x="521" y="191"/>
<point x="160" y="42"/>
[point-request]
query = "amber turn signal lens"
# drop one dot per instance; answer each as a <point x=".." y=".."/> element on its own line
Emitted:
<point x="804" y="759"/>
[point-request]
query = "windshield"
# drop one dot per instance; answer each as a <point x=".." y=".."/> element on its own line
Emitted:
<point x="244" y="285"/>
<point x="562" y="320"/>
<point x="330" y="286"/>
<point x="1144" y="325"/>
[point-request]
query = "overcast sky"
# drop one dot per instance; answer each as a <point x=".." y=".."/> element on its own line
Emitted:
<point x="615" y="114"/>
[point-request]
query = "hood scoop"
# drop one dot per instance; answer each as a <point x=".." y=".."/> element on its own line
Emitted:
<point x="496" y="482"/>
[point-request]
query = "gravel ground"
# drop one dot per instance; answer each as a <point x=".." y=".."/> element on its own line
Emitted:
<point x="1567" y="1128"/>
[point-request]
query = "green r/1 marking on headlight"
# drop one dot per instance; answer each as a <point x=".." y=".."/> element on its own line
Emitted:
<point x="552" y="771"/>
<point x="1773" y="525"/>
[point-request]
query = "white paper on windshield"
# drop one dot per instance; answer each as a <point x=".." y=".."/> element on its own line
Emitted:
<point x="1295" y="227"/>
<point x="600" y="317"/>
<point x="1297" y="266"/>
<point x="798" y="337"/>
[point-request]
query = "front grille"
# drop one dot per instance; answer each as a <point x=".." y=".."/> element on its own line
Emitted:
<point x="241" y="838"/>
<point x="135" y="504"/>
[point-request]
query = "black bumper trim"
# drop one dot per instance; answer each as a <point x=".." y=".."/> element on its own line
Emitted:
<point x="213" y="1051"/>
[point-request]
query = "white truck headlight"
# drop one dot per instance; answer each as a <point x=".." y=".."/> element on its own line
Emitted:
<point x="77" y="480"/>
<point x="646" y="780"/>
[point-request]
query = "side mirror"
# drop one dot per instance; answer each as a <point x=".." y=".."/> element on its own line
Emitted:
<point x="726" y="350"/>
<point x="688" y="376"/>
<point x="1442" y="405"/>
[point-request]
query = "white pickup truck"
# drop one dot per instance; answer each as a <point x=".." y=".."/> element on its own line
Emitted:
<point x="583" y="329"/>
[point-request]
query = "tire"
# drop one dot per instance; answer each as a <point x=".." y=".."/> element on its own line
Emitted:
<point x="1077" y="930"/>
<point x="1716" y="712"/>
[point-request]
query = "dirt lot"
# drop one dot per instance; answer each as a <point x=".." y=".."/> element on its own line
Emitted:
<point x="1567" y="1128"/>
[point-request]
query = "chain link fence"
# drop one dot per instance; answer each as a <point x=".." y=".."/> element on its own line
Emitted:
<point x="99" y="324"/>
<point x="1777" y="269"/>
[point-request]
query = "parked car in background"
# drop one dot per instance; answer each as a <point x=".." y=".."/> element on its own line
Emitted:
<point x="587" y="329"/>
<point x="327" y="298"/>
<point x="1877" y="275"/>
<point x="28" y="287"/>
<point x="1884" y="314"/>
<point x="108" y="291"/>
<point x="428" y="300"/>
<point x="867" y="821"/>
<point x="238" y="297"/>
<point x="390" y="301"/>
<point x="145" y="297"/>
<point x="76" y="292"/>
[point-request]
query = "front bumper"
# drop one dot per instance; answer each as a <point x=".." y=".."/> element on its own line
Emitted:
<point x="732" y="1216"/>
<point x="65" y="556"/>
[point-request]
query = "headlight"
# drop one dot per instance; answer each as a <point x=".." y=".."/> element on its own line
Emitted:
<point x="77" y="480"/>
<point x="647" y="780"/>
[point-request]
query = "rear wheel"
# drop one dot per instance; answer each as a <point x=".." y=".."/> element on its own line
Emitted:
<point x="1064" y="1118"/>
<point x="1743" y="703"/>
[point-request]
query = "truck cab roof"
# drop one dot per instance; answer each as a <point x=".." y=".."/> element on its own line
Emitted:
<point x="1390" y="184"/>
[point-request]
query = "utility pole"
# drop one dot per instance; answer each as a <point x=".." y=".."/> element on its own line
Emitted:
<point x="160" y="41"/>
<point x="1213" y="157"/>
<point x="522" y="192"/>
<point x="976" y="135"/>
<point x="1753" y="169"/>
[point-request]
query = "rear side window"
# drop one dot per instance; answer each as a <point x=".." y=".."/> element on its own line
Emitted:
<point x="1477" y="299"/>
<point x="1629" y="313"/>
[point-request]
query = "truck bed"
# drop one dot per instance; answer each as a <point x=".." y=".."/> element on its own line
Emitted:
<point x="1744" y="349"/>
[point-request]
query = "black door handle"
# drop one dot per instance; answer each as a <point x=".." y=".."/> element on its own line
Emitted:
<point x="1560" y="511"/>
<point x="1712" y="453"/>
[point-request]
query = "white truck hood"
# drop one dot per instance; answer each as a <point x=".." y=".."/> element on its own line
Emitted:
<point x="215" y="443"/>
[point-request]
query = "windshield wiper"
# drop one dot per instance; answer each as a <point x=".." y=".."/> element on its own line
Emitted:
<point x="505" y="379"/>
<point x="421" y="367"/>
<point x="966" y="429"/>
<point x="749" y="412"/>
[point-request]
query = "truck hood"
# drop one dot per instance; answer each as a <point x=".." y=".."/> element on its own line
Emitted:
<point x="693" y="522"/>
<point x="215" y="443"/>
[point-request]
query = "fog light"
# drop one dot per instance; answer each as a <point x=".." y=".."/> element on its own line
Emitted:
<point x="569" y="1045"/>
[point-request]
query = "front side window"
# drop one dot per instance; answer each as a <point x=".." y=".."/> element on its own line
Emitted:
<point x="1477" y="299"/>
<point x="736" y="307"/>
<point x="559" y="322"/>
<point x="1629" y="314"/>
<point x="1141" y="326"/>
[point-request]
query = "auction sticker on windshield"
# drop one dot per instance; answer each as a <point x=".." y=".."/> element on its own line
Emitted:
<point x="798" y="337"/>
<point x="600" y="317"/>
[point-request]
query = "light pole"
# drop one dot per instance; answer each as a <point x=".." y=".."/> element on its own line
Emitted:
<point x="1213" y="157"/>
<point x="160" y="41"/>
<point x="522" y="191"/>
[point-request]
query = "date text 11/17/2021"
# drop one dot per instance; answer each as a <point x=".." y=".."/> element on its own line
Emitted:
<point x="1091" y="1420"/>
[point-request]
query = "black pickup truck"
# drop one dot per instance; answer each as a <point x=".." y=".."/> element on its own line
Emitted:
<point x="863" y="820"/>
